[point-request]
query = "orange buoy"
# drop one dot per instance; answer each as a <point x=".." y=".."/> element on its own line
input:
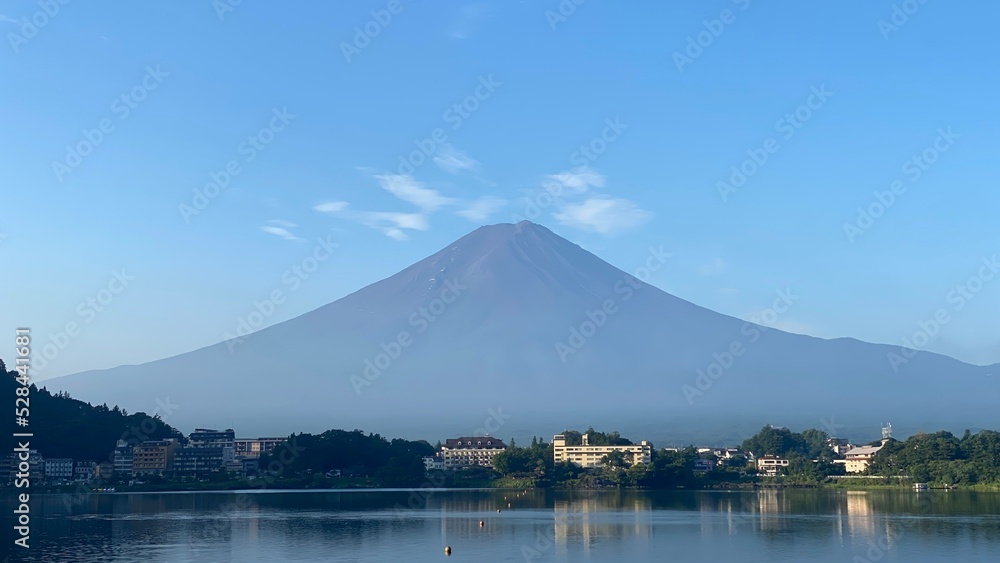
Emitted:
<point x="447" y="550"/>
<point x="481" y="523"/>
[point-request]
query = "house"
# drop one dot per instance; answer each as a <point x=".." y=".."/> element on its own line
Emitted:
<point x="840" y="446"/>
<point x="432" y="463"/>
<point x="153" y="457"/>
<point x="58" y="469"/>
<point x="586" y="455"/>
<point x="771" y="465"/>
<point x="703" y="464"/>
<point x="857" y="460"/>
<point x="471" y="450"/>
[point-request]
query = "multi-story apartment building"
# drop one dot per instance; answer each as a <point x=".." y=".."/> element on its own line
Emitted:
<point x="122" y="457"/>
<point x="197" y="462"/>
<point x="586" y="455"/>
<point x="58" y="469"/>
<point x="153" y="456"/>
<point x="252" y="448"/>
<point x="475" y="450"/>
<point x="209" y="438"/>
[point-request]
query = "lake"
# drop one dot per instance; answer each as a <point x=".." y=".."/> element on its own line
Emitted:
<point x="817" y="526"/>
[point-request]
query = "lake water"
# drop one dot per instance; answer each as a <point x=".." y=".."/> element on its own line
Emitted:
<point x="817" y="526"/>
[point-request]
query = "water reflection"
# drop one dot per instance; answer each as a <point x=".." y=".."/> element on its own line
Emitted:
<point x="783" y="525"/>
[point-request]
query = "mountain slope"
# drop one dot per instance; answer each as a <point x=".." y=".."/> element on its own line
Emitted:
<point x="478" y="326"/>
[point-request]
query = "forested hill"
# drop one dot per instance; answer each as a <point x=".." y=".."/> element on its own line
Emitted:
<point x="66" y="427"/>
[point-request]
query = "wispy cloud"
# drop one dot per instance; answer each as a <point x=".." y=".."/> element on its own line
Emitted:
<point x="410" y="190"/>
<point x="282" y="223"/>
<point x="729" y="291"/>
<point x="393" y="224"/>
<point x="453" y="161"/>
<point x="713" y="268"/>
<point x="330" y="206"/>
<point x="580" y="179"/>
<point x="8" y="19"/>
<point x="479" y="211"/>
<point x="603" y="215"/>
<point x="279" y="231"/>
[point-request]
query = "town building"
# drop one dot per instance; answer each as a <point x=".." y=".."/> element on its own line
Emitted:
<point x="153" y="457"/>
<point x="840" y="446"/>
<point x="84" y="470"/>
<point x="252" y="448"/>
<point x="474" y="450"/>
<point x="771" y="466"/>
<point x="197" y="462"/>
<point x="122" y="457"/>
<point x="58" y="469"/>
<point x="36" y="466"/>
<point x="705" y="464"/>
<point x="434" y="462"/>
<point x="857" y="460"/>
<point x="209" y="438"/>
<point x="586" y="455"/>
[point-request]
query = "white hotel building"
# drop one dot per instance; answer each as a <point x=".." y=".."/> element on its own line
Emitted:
<point x="586" y="455"/>
<point x="470" y="450"/>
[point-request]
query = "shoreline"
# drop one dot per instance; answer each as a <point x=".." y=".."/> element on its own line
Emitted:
<point x="245" y="488"/>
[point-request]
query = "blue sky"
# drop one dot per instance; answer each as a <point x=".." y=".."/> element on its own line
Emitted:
<point x="117" y="116"/>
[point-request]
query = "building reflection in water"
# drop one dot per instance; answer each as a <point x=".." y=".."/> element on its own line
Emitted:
<point x="585" y="521"/>
<point x="772" y="506"/>
<point x="860" y="516"/>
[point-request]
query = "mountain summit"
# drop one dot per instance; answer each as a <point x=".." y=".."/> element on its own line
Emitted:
<point x="514" y="317"/>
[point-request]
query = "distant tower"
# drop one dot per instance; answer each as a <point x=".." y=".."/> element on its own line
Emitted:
<point x="887" y="432"/>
